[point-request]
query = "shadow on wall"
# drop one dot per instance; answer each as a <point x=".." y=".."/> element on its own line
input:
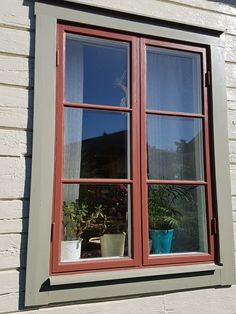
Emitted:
<point x="230" y="2"/>
<point x="26" y="195"/>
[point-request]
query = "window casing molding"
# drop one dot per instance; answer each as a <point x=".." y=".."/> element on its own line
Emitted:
<point x="39" y="290"/>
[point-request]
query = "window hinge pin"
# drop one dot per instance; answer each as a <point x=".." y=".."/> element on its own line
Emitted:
<point x="208" y="78"/>
<point x="213" y="226"/>
<point x="52" y="231"/>
<point x="57" y="58"/>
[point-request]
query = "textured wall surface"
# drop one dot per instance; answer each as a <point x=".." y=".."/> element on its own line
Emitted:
<point x="16" y="106"/>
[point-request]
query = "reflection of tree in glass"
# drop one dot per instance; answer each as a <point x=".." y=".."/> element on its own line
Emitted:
<point x="122" y="83"/>
<point x="182" y="163"/>
<point x="189" y="232"/>
<point x="185" y="158"/>
<point x="188" y="236"/>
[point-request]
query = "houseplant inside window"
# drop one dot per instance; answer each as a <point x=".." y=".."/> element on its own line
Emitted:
<point x="77" y="219"/>
<point x="113" y="238"/>
<point x="98" y="216"/>
<point x="164" y="215"/>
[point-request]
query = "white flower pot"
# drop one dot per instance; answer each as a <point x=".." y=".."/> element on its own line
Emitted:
<point x="71" y="250"/>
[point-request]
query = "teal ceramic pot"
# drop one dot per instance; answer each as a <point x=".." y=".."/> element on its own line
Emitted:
<point x="161" y="241"/>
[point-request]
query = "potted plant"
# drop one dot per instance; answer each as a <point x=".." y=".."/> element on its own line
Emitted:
<point x="77" y="218"/>
<point x="163" y="216"/>
<point x="112" y="239"/>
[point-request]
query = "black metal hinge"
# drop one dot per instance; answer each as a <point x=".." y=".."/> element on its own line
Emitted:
<point x="208" y="78"/>
<point x="57" y="57"/>
<point x="52" y="231"/>
<point x="213" y="226"/>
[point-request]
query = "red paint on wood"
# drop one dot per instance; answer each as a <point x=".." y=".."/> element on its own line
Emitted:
<point x="139" y="182"/>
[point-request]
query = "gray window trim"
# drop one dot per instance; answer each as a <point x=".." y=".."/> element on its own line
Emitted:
<point x="42" y="290"/>
<point x="124" y="10"/>
<point x="132" y="273"/>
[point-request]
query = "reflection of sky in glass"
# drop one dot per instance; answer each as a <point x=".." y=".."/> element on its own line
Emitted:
<point x="102" y="67"/>
<point x="96" y="71"/>
<point x="173" y="80"/>
<point x="164" y="132"/>
<point x="94" y="123"/>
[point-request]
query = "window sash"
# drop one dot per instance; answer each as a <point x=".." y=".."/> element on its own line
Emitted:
<point x="175" y="258"/>
<point x="59" y="181"/>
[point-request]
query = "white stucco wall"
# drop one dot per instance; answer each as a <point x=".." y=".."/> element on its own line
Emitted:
<point x="16" y="104"/>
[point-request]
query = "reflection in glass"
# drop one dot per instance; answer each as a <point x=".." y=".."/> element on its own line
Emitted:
<point x="97" y="71"/>
<point x="96" y="221"/>
<point x="173" y="80"/>
<point x="96" y="144"/>
<point x="177" y="219"/>
<point x="174" y="148"/>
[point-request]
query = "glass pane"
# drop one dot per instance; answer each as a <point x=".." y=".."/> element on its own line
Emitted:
<point x="96" y="221"/>
<point x="174" y="148"/>
<point x="177" y="219"/>
<point x="173" y="80"/>
<point x="96" y="144"/>
<point x="97" y="71"/>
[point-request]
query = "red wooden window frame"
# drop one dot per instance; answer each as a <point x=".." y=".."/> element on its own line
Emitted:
<point x="175" y="258"/>
<point x="139" y="181"/>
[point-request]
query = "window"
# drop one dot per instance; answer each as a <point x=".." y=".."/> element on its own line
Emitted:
<point x="132" y="178"/>
<point x="144" y="54"/>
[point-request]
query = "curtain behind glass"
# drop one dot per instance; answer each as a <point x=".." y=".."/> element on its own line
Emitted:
<point x="72" y="135"/>
<point x="173" y="81"/>
<point x="175" y="145"/>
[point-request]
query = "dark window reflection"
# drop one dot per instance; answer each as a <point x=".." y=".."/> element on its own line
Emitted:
<point x="97" y="71"/>
<point x="95" y="144"/>
<point x="175" y="148"/>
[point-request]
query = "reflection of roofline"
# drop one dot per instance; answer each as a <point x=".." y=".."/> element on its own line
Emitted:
<point x="105" y="134"/>
<point x="98" y="137"/>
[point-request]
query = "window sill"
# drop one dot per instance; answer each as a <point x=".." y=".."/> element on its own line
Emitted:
<point x="134" y="273"/>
